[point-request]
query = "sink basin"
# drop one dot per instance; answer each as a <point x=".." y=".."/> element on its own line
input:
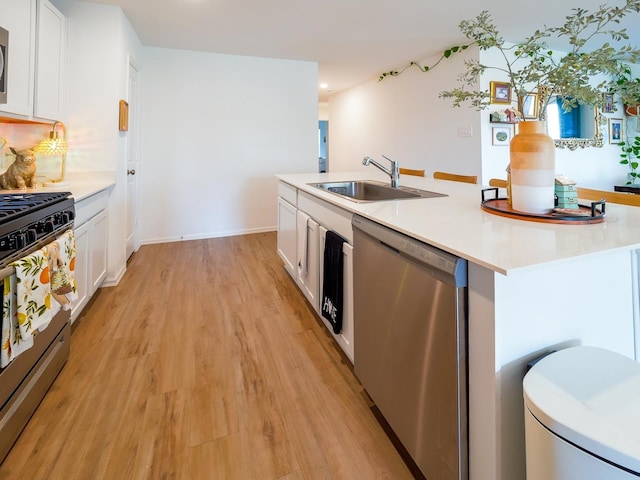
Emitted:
<point x="370" y="191"/>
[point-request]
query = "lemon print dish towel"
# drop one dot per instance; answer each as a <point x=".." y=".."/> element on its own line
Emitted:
<point x="26" y="304"/>
<point x="61" y="255"/>
<point x="43" y="283"/>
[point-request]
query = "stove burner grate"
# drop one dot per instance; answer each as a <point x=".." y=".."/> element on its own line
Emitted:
<point x="15" y="205"/>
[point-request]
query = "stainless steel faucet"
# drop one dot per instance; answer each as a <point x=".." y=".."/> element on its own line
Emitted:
<point x="393" y="172"/>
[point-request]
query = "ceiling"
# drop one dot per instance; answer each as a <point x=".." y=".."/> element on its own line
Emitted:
<point x="353" y="41"/>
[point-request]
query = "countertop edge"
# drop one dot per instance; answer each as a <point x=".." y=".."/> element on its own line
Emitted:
<point x="465" y="203"/>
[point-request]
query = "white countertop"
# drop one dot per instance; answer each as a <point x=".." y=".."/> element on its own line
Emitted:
<point x="81" y="186"/>
<point x="457" y="224"/>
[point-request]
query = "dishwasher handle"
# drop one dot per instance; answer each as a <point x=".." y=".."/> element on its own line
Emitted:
<point x="389" y="247"/>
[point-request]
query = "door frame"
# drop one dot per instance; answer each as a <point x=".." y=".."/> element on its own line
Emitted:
<point x="132" y="238"/>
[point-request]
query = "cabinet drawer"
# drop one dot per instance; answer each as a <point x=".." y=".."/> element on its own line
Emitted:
<point x="89" y="207"/>
<point x="332" y="217"/>
<point x="288" y="192"/>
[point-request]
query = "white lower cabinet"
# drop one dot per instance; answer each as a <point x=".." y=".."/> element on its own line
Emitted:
<point x="98" y="250"/>
<point x="322" y="216"/>
<point x="345" y="337"/>
<point x="308" y="278"/>
<point x="287" y="235"/>
<point x="91" y="248"/>
<point x="81" y="272"/>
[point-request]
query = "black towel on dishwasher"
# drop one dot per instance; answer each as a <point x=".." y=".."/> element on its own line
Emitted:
<point x="332" y="301"/>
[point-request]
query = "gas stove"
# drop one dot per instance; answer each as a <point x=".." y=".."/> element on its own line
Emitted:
<point x="29" y="221"/>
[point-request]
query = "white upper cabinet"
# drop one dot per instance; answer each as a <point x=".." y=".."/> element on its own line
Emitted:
<point x="19" y="18"/>
<point x="51" y="50"/>
<point x="36" y="59"/>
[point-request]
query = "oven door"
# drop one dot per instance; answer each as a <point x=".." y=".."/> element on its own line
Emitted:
<point x="27" y="376"/>
<point x="26" y="380"/>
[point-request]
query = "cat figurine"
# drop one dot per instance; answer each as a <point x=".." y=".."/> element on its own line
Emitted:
<point x="22" y="172"/>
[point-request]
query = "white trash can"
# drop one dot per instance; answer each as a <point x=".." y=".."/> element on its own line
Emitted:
<point x="582" y="416"/>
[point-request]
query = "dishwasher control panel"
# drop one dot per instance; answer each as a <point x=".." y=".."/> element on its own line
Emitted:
<point x="427" y="255"/>
<point x="424" y="253"/>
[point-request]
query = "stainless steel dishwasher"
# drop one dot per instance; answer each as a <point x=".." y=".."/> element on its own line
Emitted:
<point x="410" y="343"/>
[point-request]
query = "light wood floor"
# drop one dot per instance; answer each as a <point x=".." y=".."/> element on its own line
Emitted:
<point x="204" y="363"/>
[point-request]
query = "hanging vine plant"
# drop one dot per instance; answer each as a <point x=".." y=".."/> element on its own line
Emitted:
<point x="425" y="68"/>
<point x="533" y="66"/>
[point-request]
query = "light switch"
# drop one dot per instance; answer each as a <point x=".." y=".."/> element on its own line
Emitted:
<point x="466" y="131"/>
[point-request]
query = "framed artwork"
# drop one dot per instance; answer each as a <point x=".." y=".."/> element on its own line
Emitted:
<point x="123" y="121"/>
<point x="615" y="130"/>
<point x="530" y="106"/>
<point x="608" y="105"/>
<point x="500" y="136"/>
<point x="500" y="92"/>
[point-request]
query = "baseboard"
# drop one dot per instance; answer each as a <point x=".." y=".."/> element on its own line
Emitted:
<point x="204" y="236"/>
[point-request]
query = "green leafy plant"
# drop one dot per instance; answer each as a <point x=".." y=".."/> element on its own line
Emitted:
<point x="533" y="66"/>
<point x="630" y="155"/>
<point x="425" y="68"/>
<point x="628" y="87"/>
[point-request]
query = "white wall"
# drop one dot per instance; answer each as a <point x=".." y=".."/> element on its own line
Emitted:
<point x="215" y="130"/>
<point x="92" y="84"/>
<point x="590" y="167"/>
<point x="100" y="43"/>
<point x="323" y="111"/>
<point x="403" y="118"/>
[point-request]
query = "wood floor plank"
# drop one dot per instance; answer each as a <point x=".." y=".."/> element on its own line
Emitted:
<point x="205" y="362"/>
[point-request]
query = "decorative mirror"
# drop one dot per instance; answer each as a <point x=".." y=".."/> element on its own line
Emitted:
<point x="578" y="128"/>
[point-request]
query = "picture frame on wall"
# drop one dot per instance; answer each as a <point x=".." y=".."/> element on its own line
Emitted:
<point x="608" y="106"/>
<point x="501" y="136"/>
<point x="615" y="130"/>
<point x="500" y="92"/>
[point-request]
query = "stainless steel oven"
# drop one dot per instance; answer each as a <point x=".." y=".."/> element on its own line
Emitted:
<point x="4" y="55"/>
<point x="29" y="222"/>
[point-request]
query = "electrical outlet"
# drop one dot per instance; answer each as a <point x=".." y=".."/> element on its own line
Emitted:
<point x="466" y="131"/>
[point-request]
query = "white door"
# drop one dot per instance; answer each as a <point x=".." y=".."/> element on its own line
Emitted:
<point x="132" y="163"/>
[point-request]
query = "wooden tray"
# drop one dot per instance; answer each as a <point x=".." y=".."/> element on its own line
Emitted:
<point x="583" y="215"/>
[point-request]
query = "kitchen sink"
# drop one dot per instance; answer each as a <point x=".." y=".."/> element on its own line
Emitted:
<point x="371" y="191"/>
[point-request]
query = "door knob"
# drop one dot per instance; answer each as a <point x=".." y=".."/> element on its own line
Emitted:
<point x="131" y="172"/>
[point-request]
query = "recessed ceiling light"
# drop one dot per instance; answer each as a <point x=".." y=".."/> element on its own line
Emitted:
<point x="324" y="85"/>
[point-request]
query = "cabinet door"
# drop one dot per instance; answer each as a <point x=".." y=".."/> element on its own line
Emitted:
<point x="98" y="254"/>
<point x="19" y="18"/>
<point x="347" y="319"/>
<point x="308" y="280"/>
<point x="287" y="235"/>
<point x="345" y="337"/>
<point x="51" y="61"/>
<point x="81" y="271"/>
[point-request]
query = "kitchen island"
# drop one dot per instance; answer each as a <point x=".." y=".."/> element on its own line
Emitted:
<point x="532" y="288"/>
